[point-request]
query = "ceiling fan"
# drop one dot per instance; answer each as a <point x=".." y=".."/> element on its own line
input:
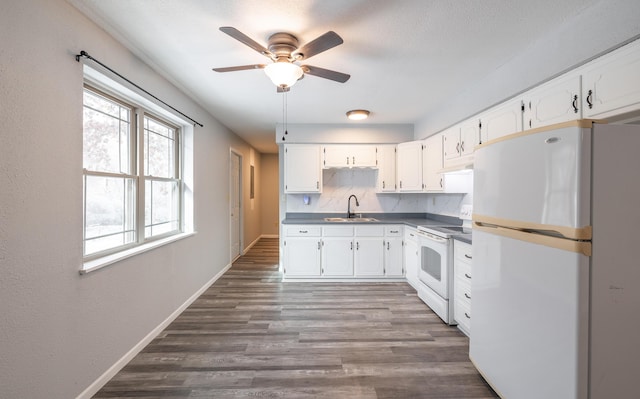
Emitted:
<point x="284" y="51"/>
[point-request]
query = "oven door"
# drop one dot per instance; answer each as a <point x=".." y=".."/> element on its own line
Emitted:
<point x="433" y="271"/>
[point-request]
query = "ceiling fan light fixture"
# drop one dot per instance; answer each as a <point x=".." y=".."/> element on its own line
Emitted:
<point x="283" y="74"/>
<point x="358" y="114"/>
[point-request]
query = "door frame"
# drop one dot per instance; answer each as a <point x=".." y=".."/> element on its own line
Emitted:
<point x="233" y="152"/>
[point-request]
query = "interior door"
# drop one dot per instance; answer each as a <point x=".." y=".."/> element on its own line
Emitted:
<point x="235" y="204"/>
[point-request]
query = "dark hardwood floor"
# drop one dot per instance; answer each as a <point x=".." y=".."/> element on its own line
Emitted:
<point x="250" y="335"/>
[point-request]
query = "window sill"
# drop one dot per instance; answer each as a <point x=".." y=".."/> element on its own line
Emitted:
<point x="99" y="263"/>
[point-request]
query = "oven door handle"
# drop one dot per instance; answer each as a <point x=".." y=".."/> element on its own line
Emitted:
<point x="432" y="237"/>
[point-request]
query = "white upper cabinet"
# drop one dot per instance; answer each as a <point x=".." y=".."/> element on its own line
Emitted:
<point x="432" y="163"/>
<point x="471" y="136"/>
<point x="553" y="102"/>
<point x="302" y="172"/>
<point x="409" y="162"/>
<point x="458" y="143"/>
<point x="386" y="179"/>
<point x="611" y="83"/>
<point x="349" y="156"/>
<point x="502" y="120"/>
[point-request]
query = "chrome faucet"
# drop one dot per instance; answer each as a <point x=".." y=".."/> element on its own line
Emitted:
<point x="349" y="214"/>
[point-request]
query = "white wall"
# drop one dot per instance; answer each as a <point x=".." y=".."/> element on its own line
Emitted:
<point x="60" y="331"/>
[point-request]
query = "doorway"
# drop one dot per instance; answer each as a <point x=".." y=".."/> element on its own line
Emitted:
<point x="235" y="204"/>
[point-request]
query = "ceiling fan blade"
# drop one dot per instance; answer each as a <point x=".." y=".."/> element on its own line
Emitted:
<point x="317" y="46"/>
<point x="239" y="68"/>
<point x="325" y="73"/>
<point x="241" y="37"/>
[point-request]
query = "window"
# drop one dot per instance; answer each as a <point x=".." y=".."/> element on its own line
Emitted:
<point x="130" y="196"/>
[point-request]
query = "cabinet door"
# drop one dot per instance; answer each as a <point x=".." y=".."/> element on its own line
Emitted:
<point x="393" y="266"/>
<point x="302" y="173"/>
<point x="503" y="120"/>
<point x="410" y="166"/>
<point x="369" y="257"/>
<point x="386" y="180"/>
<point x="451" y="143"/>
<point x="611" y="84"/>
<point x="337" y="256"/>
<point x="470" y="136"/>
<point x="411" y="257"/>
<point x="302" y="257"/>
<point x="363" y="156"/>
<point x="554" y="102"/>
<point x="336" y="156"/>
<point x="432" y="163"/>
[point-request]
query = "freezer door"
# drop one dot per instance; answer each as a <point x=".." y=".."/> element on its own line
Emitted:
<point x="530" y="317"/>
<point x="540" y="180"/>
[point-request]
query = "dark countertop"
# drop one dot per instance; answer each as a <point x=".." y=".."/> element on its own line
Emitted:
<point x="463" y="237"/>
<point x="408" y="219"/>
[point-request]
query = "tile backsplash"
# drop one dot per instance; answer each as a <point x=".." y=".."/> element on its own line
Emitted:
<point x="339" y="184"/>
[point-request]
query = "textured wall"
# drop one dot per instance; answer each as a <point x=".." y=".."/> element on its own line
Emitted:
<point x="60" y="331"/>
<point x="269" y="193"/>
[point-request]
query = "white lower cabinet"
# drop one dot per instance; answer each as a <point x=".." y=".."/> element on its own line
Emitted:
<point x="338" y="251"/>
<point x="462" y="256"/>
<point x="369" y="255"/>
<point x="411" y="255"/>
<point x="302" y="250"/>
<point x="393" y="259"/>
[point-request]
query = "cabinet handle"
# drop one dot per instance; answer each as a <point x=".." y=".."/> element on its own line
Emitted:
<point x="347" y="160"/>
<point x="590" y="99"/>
<point x="357" y="246"/>
<point x="354" y="161"/>
<point x="383" y="185"/>
<point x="462" y="146"/>
<point x="467" y="296"/>
<point x="441" y="183"/>
<point x="468" y="256"/>
<point x="318" y="244"/>
<point x="387" y="245"/>
<point x="467" y="315"/>
<point x="352" y="245"/>
<point x="400" y="183"/>
<point x="575" y="103"/>
<point x="467" y="276"/>
<point x="303" y="231"/>
<point x="394" y="231"/>
<point x="458" y="148"/>
<point x="317" y="184"/>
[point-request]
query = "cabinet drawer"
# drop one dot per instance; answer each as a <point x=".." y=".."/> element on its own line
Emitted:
<point x="393" y="231"/>
<point x="463" y="272"/>
<point x="462" y="292"/>
<point x="337" y="231"/>
<point x="463" y="316"/>
<point x="302" y="231"/>
<point x="369" y="231"/>
<point x="462" y="251"/>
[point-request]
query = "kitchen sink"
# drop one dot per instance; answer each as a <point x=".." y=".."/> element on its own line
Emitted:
<point x="352" y="220"/>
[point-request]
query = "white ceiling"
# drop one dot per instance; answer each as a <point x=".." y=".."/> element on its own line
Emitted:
<point x="405" y="58"/>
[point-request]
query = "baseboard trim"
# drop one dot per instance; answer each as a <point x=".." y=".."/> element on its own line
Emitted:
<point x="113" y="370"/>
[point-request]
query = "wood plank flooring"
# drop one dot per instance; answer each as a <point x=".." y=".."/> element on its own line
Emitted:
<point x="250" y="335"/>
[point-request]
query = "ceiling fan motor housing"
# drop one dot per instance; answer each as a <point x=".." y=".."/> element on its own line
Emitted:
<point x="283" y="44"/>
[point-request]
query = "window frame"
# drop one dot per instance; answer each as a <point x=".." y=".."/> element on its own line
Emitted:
<point x="138" y="113"/>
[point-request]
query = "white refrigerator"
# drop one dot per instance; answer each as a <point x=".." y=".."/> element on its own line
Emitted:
<point x="556" y="258"/>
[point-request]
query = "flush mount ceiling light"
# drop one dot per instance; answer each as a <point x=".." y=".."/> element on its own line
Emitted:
<point x="358" y="114"/>
<point x="283" y="74"/>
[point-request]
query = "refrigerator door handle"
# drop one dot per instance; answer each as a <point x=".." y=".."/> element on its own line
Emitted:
<point x="583" y="247"/>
